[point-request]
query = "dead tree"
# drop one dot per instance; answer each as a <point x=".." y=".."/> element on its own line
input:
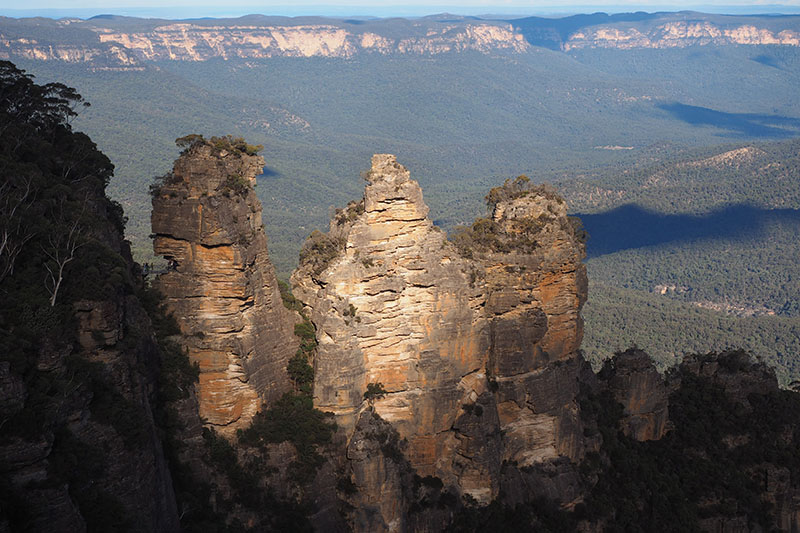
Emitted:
<point x="14" y="200"/>
<point x="60" y="251"/>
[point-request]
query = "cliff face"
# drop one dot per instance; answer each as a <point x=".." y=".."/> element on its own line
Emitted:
<point x="189" y="42"/>
<point x="466" y="348"/>
<point x="132" y="43"/>
<point x="258" y="38"/>
<point x="221" y="287"/>
<point x="635" y="383"/>
<point x="679" y="34"/>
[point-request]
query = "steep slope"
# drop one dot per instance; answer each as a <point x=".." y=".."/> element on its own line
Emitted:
<point x="221" y="286"/>
<point x="79" y="364"/>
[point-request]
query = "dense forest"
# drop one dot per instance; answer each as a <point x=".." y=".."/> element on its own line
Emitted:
<point x="634" y="140"/>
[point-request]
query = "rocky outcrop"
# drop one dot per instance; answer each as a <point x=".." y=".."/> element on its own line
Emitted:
<point x="394" y="306"/>
<point x="633" y="380"/>
<point x="221" y="287"/>
<point x="475" y="343"/>
<point x="536" y="286"/>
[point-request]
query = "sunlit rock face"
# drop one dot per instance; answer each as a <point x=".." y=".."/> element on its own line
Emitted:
<point x="395" y="307"/>
<point x="221" y="287"/>
<point x="679" y="34"/>
<point x="112" y="47"/>
<point x="477" y="352"/>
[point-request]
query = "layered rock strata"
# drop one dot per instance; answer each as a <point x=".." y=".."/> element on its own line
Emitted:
<point x="476" y="349"/>
<point x="258" y="38"/>
<point x="679" y="34"/>
<point x="119" y="45"/>
<point x="221" y="287"/>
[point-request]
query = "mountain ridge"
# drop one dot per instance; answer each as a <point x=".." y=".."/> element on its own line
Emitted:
<point x="128" y="42"/>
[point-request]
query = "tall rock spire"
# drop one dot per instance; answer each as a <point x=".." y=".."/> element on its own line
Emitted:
<point x="474" y="341"/>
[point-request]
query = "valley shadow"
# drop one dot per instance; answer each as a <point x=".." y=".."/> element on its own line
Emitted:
<point x="631" y="226"/>
<point x="267" y="172"/>
<point x="738" y="124"/>
<point x="552" y="33"/>
<point x="767" y="61"/>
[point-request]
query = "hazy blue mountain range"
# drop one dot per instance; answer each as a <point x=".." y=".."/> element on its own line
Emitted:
<point x="634" y="107"/>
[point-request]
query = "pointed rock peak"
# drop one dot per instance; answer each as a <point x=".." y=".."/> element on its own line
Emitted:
<point x="391" y="193"/>
<point x="386" y="168"/>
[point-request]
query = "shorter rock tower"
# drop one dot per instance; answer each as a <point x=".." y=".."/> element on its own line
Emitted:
<point x="220" y="286"/>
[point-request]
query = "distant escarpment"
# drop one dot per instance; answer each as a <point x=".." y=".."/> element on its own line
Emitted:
<point x="472" y="345"/>
<point x="625" y="31"/>
<point x="106" y="44"/>
<point x="220" y="286"/>
<point x="129" y="43"/>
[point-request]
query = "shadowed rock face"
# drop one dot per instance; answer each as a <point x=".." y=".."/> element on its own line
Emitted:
<point x="221" y="287"/>
<point x="635" y="383"/>
<point x="468" y="349"/>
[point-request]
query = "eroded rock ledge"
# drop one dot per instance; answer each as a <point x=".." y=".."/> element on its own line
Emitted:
<point x="221" y="287"/>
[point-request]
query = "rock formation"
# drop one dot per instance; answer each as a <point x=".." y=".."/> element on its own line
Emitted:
<point x="633" y="380"/>
<point x="221" y="287"/>
<point x="475" y="343"/>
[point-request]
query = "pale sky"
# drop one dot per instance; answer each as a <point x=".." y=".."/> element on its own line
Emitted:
<point x="196" y="8"/>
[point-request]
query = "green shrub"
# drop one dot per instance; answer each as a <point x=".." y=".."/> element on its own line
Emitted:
<point x="235" y="184"/>
<point x="300" y="372"/>
<point x="375" y="391"/>
<point x="293" y="418"/>
<point x="319" y="250"/>
<point x="349" y="213"/>
<point x="517" y="188"/>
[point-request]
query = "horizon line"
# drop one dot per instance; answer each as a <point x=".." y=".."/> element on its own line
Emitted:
<point x="390" y="11"/>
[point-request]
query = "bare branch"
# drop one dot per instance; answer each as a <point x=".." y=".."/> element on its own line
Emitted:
<point x="15" y="196"/>
<point x="61" y="250"/>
